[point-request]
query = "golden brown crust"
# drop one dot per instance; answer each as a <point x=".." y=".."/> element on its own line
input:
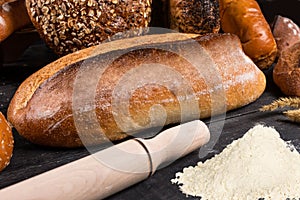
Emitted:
<point x="28" y="87"/>
<point x="286" y="73"/>
<point x="47" y="116"/>
<point x="6" y="142"/>
<point x="13" y="16"/>
<point x="26" y="90"/>
<point x="245" y="19"/>
<point x="68" y="26"/>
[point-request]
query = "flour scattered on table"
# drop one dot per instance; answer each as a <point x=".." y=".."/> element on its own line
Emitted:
<point x="259" y="165"/>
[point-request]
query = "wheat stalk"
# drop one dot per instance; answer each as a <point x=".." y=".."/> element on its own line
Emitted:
<point x="293" y="115"/>
<point x="293" y="102"/>
<point x="282" y="102"/>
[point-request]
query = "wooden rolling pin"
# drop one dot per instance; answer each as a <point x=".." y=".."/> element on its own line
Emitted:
<point x="113" y="169"/>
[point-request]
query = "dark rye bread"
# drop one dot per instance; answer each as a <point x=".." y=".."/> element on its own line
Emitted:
<point x="43" y="110"/>
<point x="195" y="16"/>
<point x="286" y="73"/>
<point x="286" y="33"/>
<point x="70" y="25"/>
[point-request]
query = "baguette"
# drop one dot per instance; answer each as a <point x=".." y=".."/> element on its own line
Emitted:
<point x="48" y="106"/>
<point x="245" y="19"/>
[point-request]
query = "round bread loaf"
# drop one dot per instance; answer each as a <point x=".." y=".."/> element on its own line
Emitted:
<point x="286" y="73"/>
<point x="70" y="25"/>
<point x="6" y="142"/>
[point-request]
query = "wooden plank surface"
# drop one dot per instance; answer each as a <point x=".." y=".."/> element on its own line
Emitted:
<point x="29" y="160"/>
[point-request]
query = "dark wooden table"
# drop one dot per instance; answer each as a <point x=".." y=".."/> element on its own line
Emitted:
<point x="29" y="159"/>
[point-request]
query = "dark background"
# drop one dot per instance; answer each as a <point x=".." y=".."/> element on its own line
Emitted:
<point x="285" y="8"/>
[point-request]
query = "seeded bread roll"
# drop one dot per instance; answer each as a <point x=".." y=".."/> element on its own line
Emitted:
<point x="245" y="19"/>
<point x="129" y="81"/>
<point x="195" y="16"/>
<point x="70" y="25"/>
<point x="6" y="142"/>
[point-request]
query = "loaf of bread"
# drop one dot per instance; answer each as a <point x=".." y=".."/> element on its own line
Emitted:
<point x="286" y="33"/>
<point x="286" y="73"/>
<point x="245" y="19"/>
<point x="196" y="16"/>
<point x="6" y="142"/>
<point x="13" y="16"/>
<point x="123" y="87"/>
<point x="68" y="26"/>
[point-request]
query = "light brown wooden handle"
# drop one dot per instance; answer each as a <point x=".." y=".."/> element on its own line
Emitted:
<point x="113" y="169"/>
<point x="176" y="142"/>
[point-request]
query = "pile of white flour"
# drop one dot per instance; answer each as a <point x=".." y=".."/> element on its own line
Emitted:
<point x="259" y="165"/>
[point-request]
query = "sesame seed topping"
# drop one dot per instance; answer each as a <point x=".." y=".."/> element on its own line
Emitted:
<point x="86" y="22"/>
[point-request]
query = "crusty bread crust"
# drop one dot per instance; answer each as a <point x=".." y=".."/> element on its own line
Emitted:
<point x="29" y="86"/>
<point x="43" y="111"/>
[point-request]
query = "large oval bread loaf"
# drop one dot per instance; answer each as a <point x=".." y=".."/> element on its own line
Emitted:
<point x="126" y="86"/>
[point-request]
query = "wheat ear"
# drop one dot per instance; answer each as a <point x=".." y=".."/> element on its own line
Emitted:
<point x="293" y="115"/>
<point x="282" y="102"/>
